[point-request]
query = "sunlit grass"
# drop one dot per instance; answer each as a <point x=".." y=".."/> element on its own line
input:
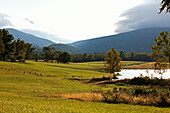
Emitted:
<point x="22" y="91"/>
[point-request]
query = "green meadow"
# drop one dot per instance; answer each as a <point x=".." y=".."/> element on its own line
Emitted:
<point x="37" y="87"/>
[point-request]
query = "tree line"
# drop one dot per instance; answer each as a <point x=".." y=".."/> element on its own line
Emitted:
<point x="13" y="50"/>
<point x="132" y="56"/>
<point x="18" y="50"/>
<point x="51" y="54"/>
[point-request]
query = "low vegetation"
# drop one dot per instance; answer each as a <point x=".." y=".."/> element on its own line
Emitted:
<point x="140" y="96"/>
<point x="23" y="89"/>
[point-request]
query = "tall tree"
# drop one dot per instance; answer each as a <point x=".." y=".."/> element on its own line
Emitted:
<point x="112" y="63"/>
<point x="7" y="40"/>
<point x="2" y="46"/>
<point x="85" y="56"/>
<point x="46" y="53"/>
<point x="165" y="4"/>
<point x="122" y="54"/>
<point x="37" y="53"/>
<point x="132" y="55"/>
<point x="13" y="56"/>
<point x="162" y="49"/>
<point x="57" y="56"/>
<point x="49" y="53"/>
<point x="20" y="50"/>
<point x="65" y="58"/>
<point x="30" y="51"/>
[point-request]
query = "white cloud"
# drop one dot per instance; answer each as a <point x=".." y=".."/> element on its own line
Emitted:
<point x="143" y="16"/>
<point x="70" y="19"/>
<point x="30" y="21"/>
<point x="4" y="21"/>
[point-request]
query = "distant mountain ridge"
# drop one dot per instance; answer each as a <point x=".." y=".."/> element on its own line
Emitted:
<point x="138" y="41"/>
<point x="46" y="35"/>
<point x="29" y="38"/>
<point x="66" y="48"/>
<point x="41" y="42"/>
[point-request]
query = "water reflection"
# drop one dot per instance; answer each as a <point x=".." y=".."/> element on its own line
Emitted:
<point x="131" y="73"/>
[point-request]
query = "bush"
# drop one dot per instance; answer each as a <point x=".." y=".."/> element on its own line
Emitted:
<point x="163" y="100"/>
<point x="13" y="60"/>
<point x="141" y="96"/>
<point x="140" y="91"/>
<point x="36" y="59"/>
<point x="22" y="61"/>
<point x="140" y="81"/>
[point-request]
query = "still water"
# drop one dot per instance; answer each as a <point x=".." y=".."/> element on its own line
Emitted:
<point x="131" y="73"/>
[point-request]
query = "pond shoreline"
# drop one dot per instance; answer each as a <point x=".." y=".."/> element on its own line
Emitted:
<point x="131" y="73"/>
<point x="149" y="65"/>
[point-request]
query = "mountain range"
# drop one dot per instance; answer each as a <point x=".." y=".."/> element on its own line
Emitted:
<point x="41" y="42"/>
<point x="29" y="38"/>
<point x="67" y="48"/>
<point x="138" y="41"/>
<point x="46" y="35"/>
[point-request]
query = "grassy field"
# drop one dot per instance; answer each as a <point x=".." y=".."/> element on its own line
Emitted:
<point x="38" y="87"/>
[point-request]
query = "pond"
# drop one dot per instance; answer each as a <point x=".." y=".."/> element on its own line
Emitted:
<point x="131" y="73"/>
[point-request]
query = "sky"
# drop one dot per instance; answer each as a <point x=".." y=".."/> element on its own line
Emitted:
<point x="73" y="20"/>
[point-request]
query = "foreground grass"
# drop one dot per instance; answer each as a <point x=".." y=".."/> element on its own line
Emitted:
<point x="22" y="91"/>
<point x="22" y="104"/>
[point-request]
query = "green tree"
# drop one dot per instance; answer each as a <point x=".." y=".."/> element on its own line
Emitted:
<point x="112" y="63"/>
<point x="165" y="4"/>
<point x="7" y="40"/>
<point x="65" y="58"/>
<point x="37" y="53"/>
<point x="29" y="50"/>
<point x="90" y="57"/>
<point x="47" y="53"/>
<point x="162" y="49"/>
<point x="132" y="55"/>
<point x="13" y="56"/>
<point x="20" y="50"/>
<point x="56" y="56"/>
<point x="122" y="54"/>
<point x="2" y="46"/>
<point x="85" y="57"/>
<point x="54" y="53"/>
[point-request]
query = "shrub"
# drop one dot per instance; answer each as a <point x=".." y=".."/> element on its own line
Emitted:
<point x="141" y="96"/>
<point x="140" y="81"/>
<point x="13" y="59"/>
<point x="140" y="91"/>
<point x="163" y="100"/>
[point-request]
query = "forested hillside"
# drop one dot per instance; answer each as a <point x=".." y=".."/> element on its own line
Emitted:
<point x="137" y="41"/>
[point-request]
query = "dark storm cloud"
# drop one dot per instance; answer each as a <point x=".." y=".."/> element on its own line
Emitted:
<point x="4" y="21"/>
<point x="143" y="16"/>
<point x="30" y="21"/>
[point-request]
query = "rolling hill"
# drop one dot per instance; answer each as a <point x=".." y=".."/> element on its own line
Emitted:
<point x="29" y="38"/>
<point x="66" y="48"/>
<point x="138" y="41"/>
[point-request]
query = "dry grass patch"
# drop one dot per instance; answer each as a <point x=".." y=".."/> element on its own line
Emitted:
<point x="149" y="65"/>
<point x="95" y="97"/>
